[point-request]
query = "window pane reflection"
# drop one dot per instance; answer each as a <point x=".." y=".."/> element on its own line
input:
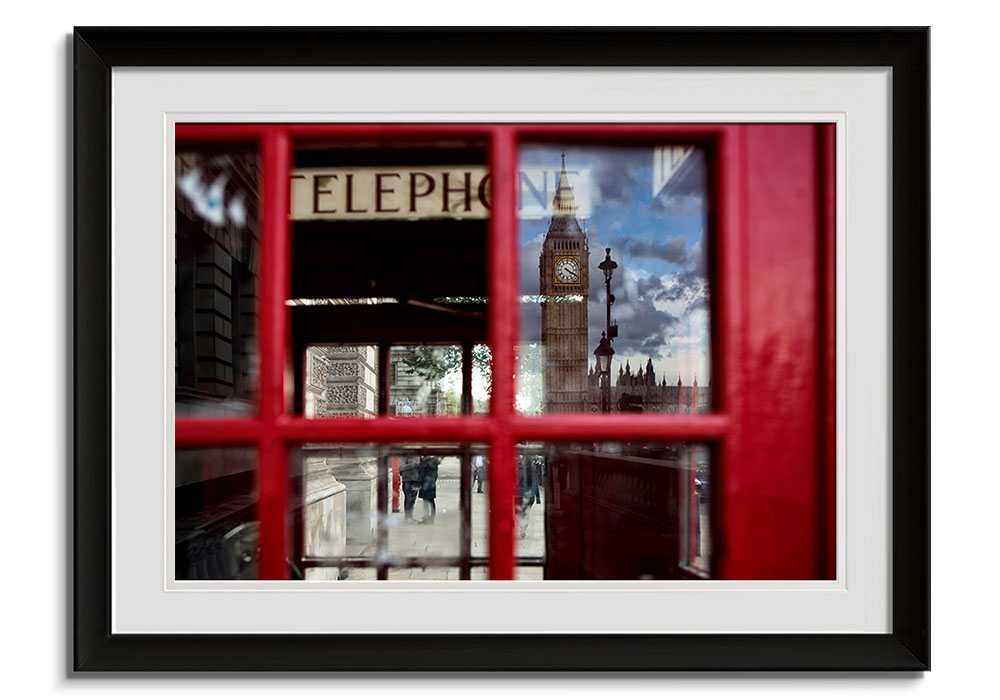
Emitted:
<point x="384" y="509"/>
<point x="425" y="380"/>
<point x="215" y="533"/>
<point x="647" y="296"/>
<point x="389" y="249"/>
<point x="340" y="380"/>
<point x="627" y="511"/>
<point x="215" y="347"/>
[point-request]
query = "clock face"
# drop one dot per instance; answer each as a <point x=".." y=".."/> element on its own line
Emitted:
<point x="567" y="269"/>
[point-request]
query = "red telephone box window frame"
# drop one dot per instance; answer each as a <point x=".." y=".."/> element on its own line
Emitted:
<point x="772" y="249"/>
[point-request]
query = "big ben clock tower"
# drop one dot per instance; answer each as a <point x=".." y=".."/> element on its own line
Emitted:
<point x="563" y="277"/>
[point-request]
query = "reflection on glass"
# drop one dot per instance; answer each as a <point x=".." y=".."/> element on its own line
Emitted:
<point x="215" y="534"/>
<point x="529" y="504"/>
<point x="627" y="511"/>
<point x="431" y="518"/>
<point x="345" y="573"/>
<point x="613" y="280"/>
<point x="696" y="540"/>
<point x="521" y="573"/>
<point x="425" y="380"/>
<point x="419" y="573"/>
<point x="418" y="518"/>
<point x="341" y="380"/>
<point x="529" y="507"/>
<point x="389" y="249"/>
<point x="337" y="489"/>
<point x="482" y="378"/>
<point x="215" y="367"/>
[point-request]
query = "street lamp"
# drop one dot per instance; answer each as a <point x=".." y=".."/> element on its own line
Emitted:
<point x="608" y="267"/>
<point x="604" y="351"/>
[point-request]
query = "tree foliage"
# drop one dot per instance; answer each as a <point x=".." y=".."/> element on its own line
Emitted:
<point x="433" y="362"/>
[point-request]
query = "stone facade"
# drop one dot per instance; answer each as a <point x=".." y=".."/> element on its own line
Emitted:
<point x="341" y="380"/>
<point x="325" y="517"/>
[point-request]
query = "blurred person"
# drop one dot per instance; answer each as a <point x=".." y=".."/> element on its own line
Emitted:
<point x="479" y="475"/>
<point x="538" y="466"/>
<point x="428" y="471"/>
<point x="409" y="476"/>
<point x="524" y="497"/>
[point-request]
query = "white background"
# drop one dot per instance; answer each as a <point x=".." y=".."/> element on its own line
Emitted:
<point x="35" y="179"/>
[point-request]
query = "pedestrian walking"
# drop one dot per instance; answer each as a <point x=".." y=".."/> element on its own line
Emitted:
<point x="479" y="463"/>
<point x="524" y="497"/>
<point x="538" y="469"/>
<point x="409" y="476"/>
<point x="428" y="487"/>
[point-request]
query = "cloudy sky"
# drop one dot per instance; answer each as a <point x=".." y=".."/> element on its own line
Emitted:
<point x="658" y="242"/>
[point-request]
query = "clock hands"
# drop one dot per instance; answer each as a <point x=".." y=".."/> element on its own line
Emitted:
<point x="567" y="269"/>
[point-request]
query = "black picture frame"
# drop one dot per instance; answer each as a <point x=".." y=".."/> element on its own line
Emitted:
<point x="905" y="50"/>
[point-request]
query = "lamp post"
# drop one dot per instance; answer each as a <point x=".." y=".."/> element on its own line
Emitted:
<point x="604" y="351"/>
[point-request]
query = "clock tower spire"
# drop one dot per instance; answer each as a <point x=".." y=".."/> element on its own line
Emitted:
<point x="563" y="279"/>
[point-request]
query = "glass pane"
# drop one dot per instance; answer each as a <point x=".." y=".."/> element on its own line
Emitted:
<point x="480" y="505"/>
<point x="431" y="573"/>
<point x="338" y="490"/>
<point x="375" y="507"/>
<point x="425" y="380"/>
<point x="529" y="503"/>
<point x="215" y="535"/>
<point x="613" y="247"/>
<point x="529" y="512"/>
<point x="627" y="511"/>
<point x="215" y="282"/>
<point x="429" y="520"/>
<point x="340" y="380"/>
<point x="521" y="573"/>
<point x="343" y="380"/>
<point x="340" y="573"/>
<point x="389" y="250"/>
<point x="696" y="533"/>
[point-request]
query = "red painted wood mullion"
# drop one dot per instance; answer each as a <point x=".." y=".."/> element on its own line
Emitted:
<point x="217" y="133"/>
<point x="272" y="482"/>
<point x="503" y="330"/>
<point x="773" y="484"/>
<point x="614" y="427"/>
<point x="220" y="133"/>
<point x="828" y="349"/>
<point x="620" y="133"/>
<point x="362" y="430"/>
<point x="620" y="427"/>
<point x="728" y="197"/>
<point x="208" y="432"/>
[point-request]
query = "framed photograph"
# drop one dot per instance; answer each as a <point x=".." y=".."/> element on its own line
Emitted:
<point x="501" y="350"/>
